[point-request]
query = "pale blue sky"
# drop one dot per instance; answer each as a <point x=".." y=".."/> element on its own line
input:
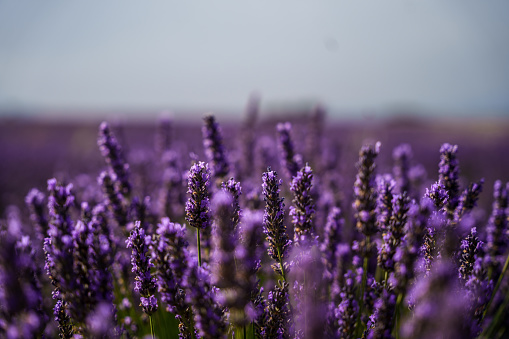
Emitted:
<point x="448" y="56"/>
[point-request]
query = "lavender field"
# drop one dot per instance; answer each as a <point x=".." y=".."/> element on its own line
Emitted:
<point x="263" y="228"/>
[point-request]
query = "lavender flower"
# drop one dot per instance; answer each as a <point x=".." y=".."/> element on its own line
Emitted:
<point x="311" y="292"/>
<point x="386" y="186"/>
<point x="81" y="300"/>
<point x="343" y="317"/>
<point x="290" y="161"/>
<point x="381" y="321"/>
<point x="224" y="239"/>
<point x="273" y="220"/>
<point x="406" y="254"/>
<point x="21" y="310"/>
<point x="35" y="202"/>
<point x="438" y="194"/>
<point x="449" y="174"/>
<point x="248" y="253"/>
<point x="171" y="196"/>
<point x="497" y="228"/>
<point x="198" y="205"/>
<point x="402" y="156"/>
<point x="144" y="282"/>
<point x="468" y="200"/>
<point x="102" y="250"/>
<point x="278" y="313"/>
<point x="214" y="149"/>
<point x="170" y="256"/>
<point x="64" y="321"/>
<point x="112" y="153"/>
<point x="115" y="201"/>
<point x="233" y="187"/>
<point x="395" y="231"/>
<point x="470" y="247"/>
<point x="441" y="309"/>
<point x="364" y="191"/>
<point x="209" y="316"/>
<point x="333" y="237"/>
<point x="304" y="209"/>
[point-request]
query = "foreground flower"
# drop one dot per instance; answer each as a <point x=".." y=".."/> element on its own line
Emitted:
<point x="144" y="284"/>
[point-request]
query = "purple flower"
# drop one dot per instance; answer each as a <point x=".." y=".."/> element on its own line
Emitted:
<point x="381" y="321"/>
<point x="364" y="191"/>
<point x="224" y="240"/>
<point x="214" y="149"/>
<point x="342" y="317"/>
<point x="441" y="310"/>
<point x="386" y="186"/>
<point x="290" y="161"/>
<point x="170" y="256"/>
<point x="112" y="154"/>
<point x="333" y="237"/>
<point x="496" y="229"/>
<point x="171" y="195"/>
<point x="448" y="174"/>
<point x="402" y="156"/>
<point x="35" y="202"/>
<point x="304" y="208"/>
<point x="438" y="195"/>
<point x="468" y="199"/>
<point x="277" y="324"/>
<point x="208" y="315"/>
<point x="273" y="219"/>
<point x="309" y="291"/>
<point x="233" y="187"/>
<point x="198" y="205"/>
<point x="65" y="327"/>
<point x="115" y="201"/>
<point x="407" y="253"/>
<point x="141" y="263"/>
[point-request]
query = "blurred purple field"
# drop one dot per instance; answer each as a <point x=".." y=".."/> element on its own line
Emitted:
<point x="287" y="227"/>
<point x="32" y="152"/>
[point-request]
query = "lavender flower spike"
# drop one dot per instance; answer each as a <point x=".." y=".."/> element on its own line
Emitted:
<point x="448" y="174"/>
<point x="303" y="211"/>
<point x="364" y="190"/>
<point x="224" y="239"/>
<point x="208" y="315"/>
<point x="35" y="203"/>
<point x="198" y="205"/>
<point x="145" y="284"/>
<point x="402" y="156"/>
<point x="214" y="149"/>
<point x="233" y="187"/>
<point x="468" y="199"/>
<point x="171" y="258"/>
<point x="273" y="219"/>
<point x="112" y="153"/>
<point x="496" y="229"/>
<point x="290" y="160"/>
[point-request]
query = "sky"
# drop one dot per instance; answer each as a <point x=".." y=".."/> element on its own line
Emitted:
<point x="363" y="56"/>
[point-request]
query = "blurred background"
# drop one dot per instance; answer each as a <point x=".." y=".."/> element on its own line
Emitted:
<point x="423" y="72"/>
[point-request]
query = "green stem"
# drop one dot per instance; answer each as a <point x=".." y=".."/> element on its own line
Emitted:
<point x="199" y="245"/>
<point x="245" y="332"/>
<point x="506" y="264"/>
<point x="397" y="314"/>
<point x="151" y="326"/>
<point x="496" y="319"/>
